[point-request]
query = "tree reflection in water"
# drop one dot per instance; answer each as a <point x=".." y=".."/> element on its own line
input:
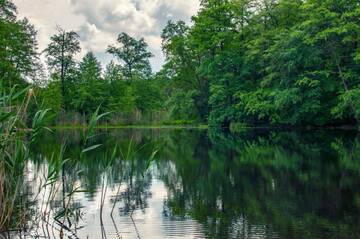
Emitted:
<point x="254" y="184"/>
<point x="266" y="184"/>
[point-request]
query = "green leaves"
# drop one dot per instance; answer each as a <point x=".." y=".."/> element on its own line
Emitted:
<point x="38" y="124"/>
<point x="89" y="89"/>
<point x="135" y="56"/>
<point x="258" y="104"/>
<point x="181" y="105"/>
<point x="88" y="149"/>
<point x="347" y="100"/>
<point x="151" y="159"/>
<point x="61" y="51"/>
<point x="18" y="48"/>
<point x="90" y="131"/>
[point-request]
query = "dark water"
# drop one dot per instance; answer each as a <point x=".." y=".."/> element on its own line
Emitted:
<point x="204" y="184"/>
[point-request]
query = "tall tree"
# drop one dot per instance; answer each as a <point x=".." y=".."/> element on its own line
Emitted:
<point x="185" y="88"/>
<point x="8" y="10"/>
<point x="113" y="72"/>
<point x="60" y="54"/>
<point x="121" y="97"/>
<point x="90" y="68"/>
<point x="214" y="37"/>
<point x="134" y="55"/>
<point x="19" y="60"/>
<point x="89" y="89"/>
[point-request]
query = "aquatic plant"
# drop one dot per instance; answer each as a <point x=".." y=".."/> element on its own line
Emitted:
<point x="16" y="139"/>
<point x="14" y="152"/>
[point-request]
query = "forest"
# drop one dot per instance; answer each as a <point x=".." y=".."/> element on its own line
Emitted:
<point x="239" y="62"/>
<point x="250" y="128"/>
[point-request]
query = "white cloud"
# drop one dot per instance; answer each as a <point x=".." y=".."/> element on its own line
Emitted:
<point x="99" y="22"/>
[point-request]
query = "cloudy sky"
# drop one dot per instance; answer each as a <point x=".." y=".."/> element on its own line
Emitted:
<point x="98" y="22"/>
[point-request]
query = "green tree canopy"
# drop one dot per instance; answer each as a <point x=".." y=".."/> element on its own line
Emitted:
<point x="134" y="55"/>
<point x="89" y="89"/>
<point x="19" y="59"/>
<point x="60" y="54"/>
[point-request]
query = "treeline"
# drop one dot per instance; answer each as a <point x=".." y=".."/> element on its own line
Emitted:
<point x="72" y="89"/>
<point x="255" y="62"/>
<point x="127" y="90"/>
<point x="288" y="62"/>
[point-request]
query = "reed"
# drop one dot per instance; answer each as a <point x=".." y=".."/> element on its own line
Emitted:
<point x="13" y="154"/>
<point x="16" y="139"/>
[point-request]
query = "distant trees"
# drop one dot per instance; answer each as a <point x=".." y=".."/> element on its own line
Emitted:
<point x="135" y="56"/>
<point x="284" y="62"/>
<point x="126" y="88"/>
<point x="120" y="93"/>
<point x="88" y="90"/>
<point x="60" y="55"/>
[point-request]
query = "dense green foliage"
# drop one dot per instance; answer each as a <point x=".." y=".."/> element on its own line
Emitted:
<point x="255" y="62"/>
<point x="18" y="48"/>
<point x="60" y="56"/>
<point x="268" y="62"/>
<point x="126" y="89"/>
<point x="135" y="56"/>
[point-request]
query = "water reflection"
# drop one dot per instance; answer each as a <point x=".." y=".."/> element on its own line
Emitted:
<point x="255" y="184"/>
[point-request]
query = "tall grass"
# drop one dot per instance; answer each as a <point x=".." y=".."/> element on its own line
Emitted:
<point x="13" y="153"/>
<point x="15" y="141"/>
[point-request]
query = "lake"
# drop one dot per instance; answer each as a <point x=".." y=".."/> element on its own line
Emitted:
<point x="190" y="183"/>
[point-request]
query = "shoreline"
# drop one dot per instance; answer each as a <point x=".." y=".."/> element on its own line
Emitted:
<point x="205" y="127"/>
<point x="61" y="127"/>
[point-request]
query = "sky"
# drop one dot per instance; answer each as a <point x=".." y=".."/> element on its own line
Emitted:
<point x="98" y="22"/>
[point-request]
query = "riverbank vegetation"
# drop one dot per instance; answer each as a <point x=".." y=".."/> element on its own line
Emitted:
<point x="251" y="62"/>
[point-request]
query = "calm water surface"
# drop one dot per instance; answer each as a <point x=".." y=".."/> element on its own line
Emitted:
<point x="202" y="184"/>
